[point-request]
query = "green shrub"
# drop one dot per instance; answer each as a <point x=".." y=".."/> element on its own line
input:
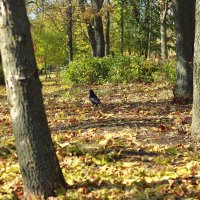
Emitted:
<point x="1" y="76"/>
<point x="119" y="69"/>
<point x="166" y="71"/>
<point x="87" y="71"/>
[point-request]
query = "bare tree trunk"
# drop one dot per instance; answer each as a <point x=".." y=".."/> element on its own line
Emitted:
<point x="69" y="30"/>
<point x="39" y="166"/>
<point x="184" y="16"/>
<point x="163" y="28"/>
<point x="149" y="29"/>
<point x="122" y="28"/>
<point x="195" y="129"/>
<point x="98" y="28"/>
<point x="107" y="35"/>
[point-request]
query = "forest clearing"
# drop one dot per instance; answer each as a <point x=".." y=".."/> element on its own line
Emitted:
<point x="136" y="145"/>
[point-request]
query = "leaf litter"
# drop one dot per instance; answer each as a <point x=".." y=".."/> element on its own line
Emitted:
<point x="136" y="145"/>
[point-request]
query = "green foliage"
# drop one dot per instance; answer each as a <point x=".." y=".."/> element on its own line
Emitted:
<point x="93" y="70"/>
<point x="1" y="76"/>
<point x="166" y="72"/>
<point x="120" y="69"/>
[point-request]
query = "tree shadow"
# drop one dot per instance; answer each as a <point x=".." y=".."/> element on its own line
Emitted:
<point x="142" y="186"/>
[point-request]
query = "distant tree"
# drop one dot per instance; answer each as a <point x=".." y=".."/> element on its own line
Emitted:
<point x="184" y="17"/>
<point x="149" y="25"/>
<point x="122" y="27"/>
<point x="107" y="31"/>
<point x="69" y="29"/>
<point x="195" y="129"/>
<point x="39" y="166"/>
<point x="164" y="8"/>
<point x="90" y="29"/>
<point x="98" y="28"/>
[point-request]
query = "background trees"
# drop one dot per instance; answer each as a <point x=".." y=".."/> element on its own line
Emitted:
<point x="138" y="37"/>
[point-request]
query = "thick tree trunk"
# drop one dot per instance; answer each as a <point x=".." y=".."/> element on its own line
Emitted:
<point x="195" y="129"/>
<point x="98" y="28"/>
<point x="69" y="30"/>
<point x="107" y="35"/>
<point x="38" y="162"/>
<point x="184" y="16"/>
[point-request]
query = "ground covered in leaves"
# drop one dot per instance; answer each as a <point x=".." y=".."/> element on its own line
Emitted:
<point x="136" y="145"/>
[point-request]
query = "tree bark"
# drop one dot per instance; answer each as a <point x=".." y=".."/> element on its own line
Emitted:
<point x="91" y="35"/>
<point x="69" y="30"/>
<point x="122" y="28"/>
<point x="107" y="35"/>
<point x="98" y="28"/>
<point x="149" y="28"/>
<point x="163" y="28"/>
<point x="195" y="129"/>
<point x="38" y="162"/>
<point x="184" y="17"/>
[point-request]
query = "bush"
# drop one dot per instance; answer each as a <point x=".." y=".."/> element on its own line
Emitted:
<point x="120" y="69"/>
<point x="87" y="71"/>
<point x="2" y="82"/>
<point x="166" y="71"/>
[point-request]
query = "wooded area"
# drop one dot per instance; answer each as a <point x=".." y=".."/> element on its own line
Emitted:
<point x="99" y="99"/>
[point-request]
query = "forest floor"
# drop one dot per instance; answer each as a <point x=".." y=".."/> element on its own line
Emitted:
<point x="136" y="145"/>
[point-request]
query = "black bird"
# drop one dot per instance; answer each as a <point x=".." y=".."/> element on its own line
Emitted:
<point x="93" y="98"/>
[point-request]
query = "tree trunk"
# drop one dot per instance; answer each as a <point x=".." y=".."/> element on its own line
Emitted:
<point x="90" y="30"/>
<point x="69" y="30"/>
<point x="98" y="28"/>
<point x="163" y="34"/>
<point x="38" y="162"/>
<point x="122" y="28"/>
<point x="149" y="29"/>
<point x="93" y="42"/>
<point x="195" y="129"/>
<point x="107" y="35"/>
<point x="184" y="17"/>
<point x="163" y="28"/>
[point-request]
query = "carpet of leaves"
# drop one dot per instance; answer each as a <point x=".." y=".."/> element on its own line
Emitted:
<point x="136" y="145"/>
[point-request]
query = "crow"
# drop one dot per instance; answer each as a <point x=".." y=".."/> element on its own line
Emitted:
<point x="93" y="98"/>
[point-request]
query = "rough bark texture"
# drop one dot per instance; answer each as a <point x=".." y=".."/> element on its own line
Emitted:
<point x="184" y="16"/>
<point x="38" y="162"/>
<point x="195" y="129"/>
<point x="69" y="30"/>
<point x="98" y="28"/>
